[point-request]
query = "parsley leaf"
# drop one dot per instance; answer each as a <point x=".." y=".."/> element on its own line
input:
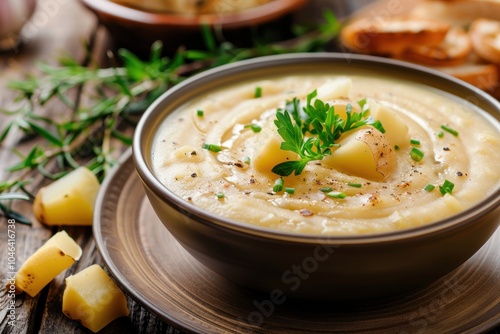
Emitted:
<point x="311" y="132"/>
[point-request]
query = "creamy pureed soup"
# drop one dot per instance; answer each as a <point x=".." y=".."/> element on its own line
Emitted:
<point x="436" y="158"/>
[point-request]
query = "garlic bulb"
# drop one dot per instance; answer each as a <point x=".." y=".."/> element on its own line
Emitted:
<point x="13" y="15"/>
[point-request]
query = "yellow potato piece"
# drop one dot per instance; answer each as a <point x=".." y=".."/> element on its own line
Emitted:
<point x="56" y="255"/>
<point x="340" y="106"/>
<point x="334" y="89"/>
<point x="396" y="131"/>
<point x="270" y="154"/>
<point x="365" y="153"/>
<point x="93" y="298"/>
<point x="69" y="200"/>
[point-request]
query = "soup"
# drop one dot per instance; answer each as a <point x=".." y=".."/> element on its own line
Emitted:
<point x="261" y="152"/>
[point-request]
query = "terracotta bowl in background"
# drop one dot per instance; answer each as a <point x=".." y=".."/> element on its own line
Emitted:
<point x="136" y="29"/>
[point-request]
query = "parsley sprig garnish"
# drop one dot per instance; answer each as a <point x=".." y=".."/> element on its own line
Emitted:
<point x="312" y="131"/>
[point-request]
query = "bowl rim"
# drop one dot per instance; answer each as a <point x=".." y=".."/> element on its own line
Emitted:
<point x="460" y="220"/>
<point x="135" y="16"/>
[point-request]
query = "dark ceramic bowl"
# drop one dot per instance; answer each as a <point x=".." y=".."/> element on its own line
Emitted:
<point x="136" y="29"/>
<point x="306" y="266"/>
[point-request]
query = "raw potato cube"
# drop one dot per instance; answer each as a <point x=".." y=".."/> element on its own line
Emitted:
<point x="365" y="153"/>
<point x="56" y="255"/>
<point x="69" y="200"/>
<point x="93" y="298"/>
<point x="396" y="131"/>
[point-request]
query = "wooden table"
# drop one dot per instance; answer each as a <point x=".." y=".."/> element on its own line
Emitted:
<point x="64" y="26"/>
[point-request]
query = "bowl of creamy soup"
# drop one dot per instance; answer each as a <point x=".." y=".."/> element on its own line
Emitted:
<point x="324" y="175"/>
<point x="136" y="24"/>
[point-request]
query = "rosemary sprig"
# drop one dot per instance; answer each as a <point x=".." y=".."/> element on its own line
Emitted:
<point x="117" y="95"/>
<point x="14" y="190"/>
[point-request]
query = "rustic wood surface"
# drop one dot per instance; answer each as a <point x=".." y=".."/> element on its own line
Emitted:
<point x="63" y="26"/>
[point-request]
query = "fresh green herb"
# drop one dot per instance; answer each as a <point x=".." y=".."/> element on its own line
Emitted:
<point x="11" y="214"/>
<point x="290" y="191"/>
<point x="14" y="196"/>
<point x="355" y="185"/>
<point x="440" y="134"/>
<point x="446" y="188"/>
<point x="247" y="160"/>
<point x="416" y="154"/>
<point x="449" y="130"/>
<point x="116" y="97"/>
<point x="258" y="92"/>
<point x="220" y="195"/>
<point x="396" y="147"/>
<point x="278" y="185"/>
<point x="414" y="141"/>
<point x="322" y="124"/>
<point x="89" y="136"/>
<point x="336" y="194"/>
<point x="326" y="189"/>
<point x="430" y="187"/>
<point x="212" y="147"/>
<point x="199" y="113"/>
<point x="255" y="127"/>
<point x="12" y="191"/>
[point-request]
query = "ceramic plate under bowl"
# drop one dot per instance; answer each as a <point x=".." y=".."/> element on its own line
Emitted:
<point x="149" y="264"/>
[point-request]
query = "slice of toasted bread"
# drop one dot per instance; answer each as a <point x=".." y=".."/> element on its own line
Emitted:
<point x="457" y="12"/>
<point x="483" y="76"/>
<point x="391" y="37"/>
<point x="453" y="50"/>
<point x="485" y="36"/>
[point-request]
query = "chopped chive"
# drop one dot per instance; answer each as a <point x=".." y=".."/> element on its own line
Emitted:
<point x="278" y="185"/>
<point x="355" y="185"/>
<point x="446" y="188"/>
<point x="290" y="191"/>
<point x="396" y="147"/>
<point x="258" y="92"/>
<point x="219" y="195"/>
<point x="212" y="147"/>
<point x="199" y="112"/>
<point x="246" y="160"/>
<point x="416" y="154"/>
<point x="414" y="141"/>
<point x="326" y="189"/>
<point x="362" y="102"/>
<point x="336" y="194"/>
<point x="365" y="108"/>
<point x="430" y="187"/>
<point x="255" y="127"/>
<point x="450" y="130"/>
<point x="440" y="134"/>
